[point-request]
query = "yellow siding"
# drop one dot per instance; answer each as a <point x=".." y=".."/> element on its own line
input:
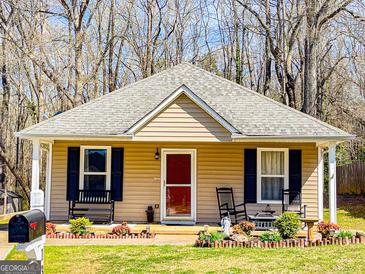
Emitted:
<point x="218" y="164"/>
<point x="183" y="119"/>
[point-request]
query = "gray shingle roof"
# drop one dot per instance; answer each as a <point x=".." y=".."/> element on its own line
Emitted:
<point x="250" y="113"/>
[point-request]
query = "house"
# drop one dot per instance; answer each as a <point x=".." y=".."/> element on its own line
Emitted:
<point x="169" y="140"/>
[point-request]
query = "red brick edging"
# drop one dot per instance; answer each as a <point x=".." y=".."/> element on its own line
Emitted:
<point x="284" y="243"/>
<point x="68" y="235"/>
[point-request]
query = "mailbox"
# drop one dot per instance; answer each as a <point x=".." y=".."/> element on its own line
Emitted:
<point x="26" y="227"/>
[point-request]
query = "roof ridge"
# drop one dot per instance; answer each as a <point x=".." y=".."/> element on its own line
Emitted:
<point x="99" y="98"/>
<point x="271" y="100"/>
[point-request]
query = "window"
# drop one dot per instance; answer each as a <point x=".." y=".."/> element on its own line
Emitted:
<point x="95" y="166"/>
<point x="272" y="174"/>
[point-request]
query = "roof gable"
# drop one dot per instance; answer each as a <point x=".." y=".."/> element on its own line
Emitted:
<point x="183" y="120"/>
<point x="183" y="90"/>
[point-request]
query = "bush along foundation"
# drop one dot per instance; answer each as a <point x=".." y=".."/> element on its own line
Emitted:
<point x="80" y="229"/>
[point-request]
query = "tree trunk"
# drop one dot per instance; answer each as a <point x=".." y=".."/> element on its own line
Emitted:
<point x="78" y="68"/>
<point x="310" y="62"/>
<point x="111" y="78"/>
<point x="237" y="44"/>
<point x="148" y="62"/>
<point x="267" y="50"/>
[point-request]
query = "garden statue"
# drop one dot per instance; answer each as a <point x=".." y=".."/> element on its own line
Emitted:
<point x="226" y="224"/>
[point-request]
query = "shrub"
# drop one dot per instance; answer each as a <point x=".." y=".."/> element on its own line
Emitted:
<point x="203" y="236"/>
<point x="80" y="226"/>
<point x="270" y="237"/>
<point x="244" y="227"/>
<point x="122" y="229"/>
<point x="50" y="228"/>
<point x="288" y="225"/>
<point x="325" y="228"/>
<point x="344" y="234"/>
<point x="212" y="236"/>
<point x="216" y="236"/>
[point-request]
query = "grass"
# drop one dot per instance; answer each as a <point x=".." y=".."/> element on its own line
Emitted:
<point x="346" y="220"/>
<point x="186" y="259"/>
<point x="350" y="213"/>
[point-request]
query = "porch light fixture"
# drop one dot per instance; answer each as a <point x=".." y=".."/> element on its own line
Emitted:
<point x="157" y="154"/>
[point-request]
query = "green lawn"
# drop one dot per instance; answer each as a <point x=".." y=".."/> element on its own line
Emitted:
<point x="346" y="220"/>
<point x="167" y="259"/>
<point x="350" y="213"/>
<point x="177" y="259"/>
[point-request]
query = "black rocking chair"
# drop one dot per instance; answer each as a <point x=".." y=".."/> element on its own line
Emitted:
<point x="227" y="206"/>
<point x="292" y="202"/>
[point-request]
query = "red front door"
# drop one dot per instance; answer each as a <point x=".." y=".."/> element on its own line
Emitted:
<point x="178" y="185"/>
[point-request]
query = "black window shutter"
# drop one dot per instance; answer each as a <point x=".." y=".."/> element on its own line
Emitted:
<point x="73" y="172"/>
<point x="117" y="174"/>
<point x="295" y="170"/>
<point x="250" y="167"/>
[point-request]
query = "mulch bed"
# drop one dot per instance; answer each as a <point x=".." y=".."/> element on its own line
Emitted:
<point x="302" y="243"/>
<point x="67" y="235"/>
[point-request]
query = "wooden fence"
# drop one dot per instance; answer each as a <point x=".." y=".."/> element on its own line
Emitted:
<point x="351" y="178"/>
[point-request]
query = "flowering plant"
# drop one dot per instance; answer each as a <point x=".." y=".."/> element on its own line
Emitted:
<point x="326" y="229"/>
<point x="122" y="229"/>
<point x="50" y="228"/>
<point x="244" y="227"/>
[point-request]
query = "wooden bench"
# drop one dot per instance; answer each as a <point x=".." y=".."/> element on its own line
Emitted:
<point x="89" y="203"/>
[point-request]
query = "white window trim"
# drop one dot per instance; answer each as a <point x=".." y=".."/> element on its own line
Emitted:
<point x="259" y="175"/>
<point x="164" y="153"/>
<point x="108" y="165"/>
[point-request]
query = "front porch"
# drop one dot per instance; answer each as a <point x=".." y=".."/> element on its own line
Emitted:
<point x="216" y="165"/>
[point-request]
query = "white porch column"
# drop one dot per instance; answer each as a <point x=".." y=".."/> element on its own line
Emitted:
<point x="47" y="202"/>
<point x="332" y="183"/>
<point x="36" y="195"/>
<point x="320" y="177"/>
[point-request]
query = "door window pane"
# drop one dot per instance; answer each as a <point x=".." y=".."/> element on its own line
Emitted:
<point x="94" y="182"/>
<point x="178" y="200"/>
<point x="178" y="169"/>
<point x="95" y="160"/>
<point x="271" y="188"/>
<point x="272" y="163"/>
